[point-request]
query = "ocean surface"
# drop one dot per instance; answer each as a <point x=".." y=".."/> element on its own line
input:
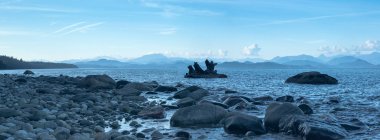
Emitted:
<point x="358" y="90"/>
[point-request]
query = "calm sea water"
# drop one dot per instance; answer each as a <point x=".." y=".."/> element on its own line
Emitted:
<point x="358" y="89"/>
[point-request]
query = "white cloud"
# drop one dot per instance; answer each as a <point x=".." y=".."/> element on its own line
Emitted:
<point x="198" y="54"/>
<point x="367" y="47"/>
<point x="251" y="50"/>
<point x="168" y="31"/>
<point x="69" y="27"/>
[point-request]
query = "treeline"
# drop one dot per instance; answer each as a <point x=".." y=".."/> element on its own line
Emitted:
<point x="7" y="62"/>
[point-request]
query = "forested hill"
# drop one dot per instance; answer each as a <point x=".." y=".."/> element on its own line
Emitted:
<point x="7" y="62"/>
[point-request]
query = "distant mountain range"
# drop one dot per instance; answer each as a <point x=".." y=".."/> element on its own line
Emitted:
<point x="286" y="62"/>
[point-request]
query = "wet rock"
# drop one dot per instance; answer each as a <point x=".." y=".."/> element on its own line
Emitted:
<point x="306" y="109"/>
<point x="85" y="122"/>
<point x="183" y="134"/>
<point x="165" y="89"/>
<point x="286" y="98"/>
<point x="151" y="93"/>
<point x="61" y="133"/>
<point x="233" y="100"/>
<point x="156" y="135"/>
<point x="28" y="72"/>
<point x="83" y="97"/>
<point x="230" y="91"/>
<point x="140" y="135"/>
<point x="185" y="102"/>
<point x="311" y="128"/>
<point x="139" y="86"/>
<point x="128" y="91"/>
<point x="275" y="111"/>
<point x="135" y="98"/>
<point x="263" y="98"/>
<point x="244" y="97"/>
<point x="333" y="100"/>
<point x="95" y="82"/>
<point x="315" y="78"/>
<point x="157" y="112"/>
<point x="214" y="103"/>
<point x="202" y="115"/>
<point x="124" y="137"/>
<point x="241" y="123"/>
<point x="135" y="124"/>
<point x="350" y="127"/>
<point x="7" y="112"/>
<point x="21" y="80"/>
<point x="193" y="92"/>
<point x="79" y="136"/>
<point x="120" y="84"/>
<point x="36" y="115"/>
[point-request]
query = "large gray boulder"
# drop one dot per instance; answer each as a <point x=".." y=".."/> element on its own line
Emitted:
<point x="193" y="92"/>
<point x="276" y="111"/>
<point x="311" y="128"/>
<point x="201" y="115"/>
<point x="241" y="123"/>
<point x="97" y="82"/>
<point x="315" y="78"/>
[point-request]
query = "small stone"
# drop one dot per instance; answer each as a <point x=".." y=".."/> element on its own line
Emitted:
<point x="306" y="109"/>
<point x="286" y="98"/>
<point x="140" y="135"/>
<point x="183" y="134"/>
<point x="156" y="135"/>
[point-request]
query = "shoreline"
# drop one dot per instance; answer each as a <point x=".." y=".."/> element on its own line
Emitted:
<point x="47" y="106"/>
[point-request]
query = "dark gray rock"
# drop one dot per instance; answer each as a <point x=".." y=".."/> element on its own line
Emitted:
<point x="241" y="123"/>
<point x="28" y="72"/>
<point x="202" y="115"/>
<point x="183" y="134"/>
<point x="275" y="111"/>
<point x="165" y="89"/>
<point x="120" y="84"/>
<point x="156" y="135"/>
<point x="128" y="91"/>
<point x="139" y="86"/>
<point x="156" y="112"/>
<point x="263" y="98"/>
<point x="306" y="109"/>
<point x="95" y="82"/>
<point x="185" y="102"/>
<point x="7" y="112"/>
<point x="315" y="78"/>
<point x="193" y="92"/>
<point x="311" y="128"/>
<point x="233" y="100"/>
<point x="286" y="98"/>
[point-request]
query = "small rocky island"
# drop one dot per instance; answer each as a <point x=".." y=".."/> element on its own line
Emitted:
<point x="195" y="71"/>
<point x="313" y="77"/>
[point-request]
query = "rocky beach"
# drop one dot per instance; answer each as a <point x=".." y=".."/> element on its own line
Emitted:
<point x="97" y="107"/>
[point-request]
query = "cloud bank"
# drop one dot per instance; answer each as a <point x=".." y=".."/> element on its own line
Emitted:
<point x="251" y="50"/>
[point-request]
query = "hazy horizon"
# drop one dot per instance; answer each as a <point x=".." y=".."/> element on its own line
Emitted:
<point x="221" y="29"/>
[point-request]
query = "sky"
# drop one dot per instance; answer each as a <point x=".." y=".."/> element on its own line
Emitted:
<point x="57" y="30"/>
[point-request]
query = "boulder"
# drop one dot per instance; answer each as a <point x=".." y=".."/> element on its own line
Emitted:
<point x="195" y="71"/>
<point x="7" y="112"/>
<point x="306" y="109"/>
<point x="28" y="72"/>
<point x="233" y="100"/>
<point x="94" y="82"/>
<point x="183" y="135"/>
<point x="311" y="128"/>
<point x="167" y="89"/>
<point x="156" y="112"/>
<point x="193" y="92"/>
<point x="185" y="102"/>
<point x="241" y="123"/>
<point x="286" y="98"/>
<point x="120" y="84"/>
<point x="201" y="115"/>
<point x="275" y="111"/>
<point x="128" y="91"/>
<point x="315" y="78"/>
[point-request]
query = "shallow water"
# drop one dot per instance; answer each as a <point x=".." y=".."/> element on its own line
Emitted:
<point x="358" y="91"/>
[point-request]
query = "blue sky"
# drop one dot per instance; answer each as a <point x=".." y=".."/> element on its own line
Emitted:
<point x="234" y="29"/>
